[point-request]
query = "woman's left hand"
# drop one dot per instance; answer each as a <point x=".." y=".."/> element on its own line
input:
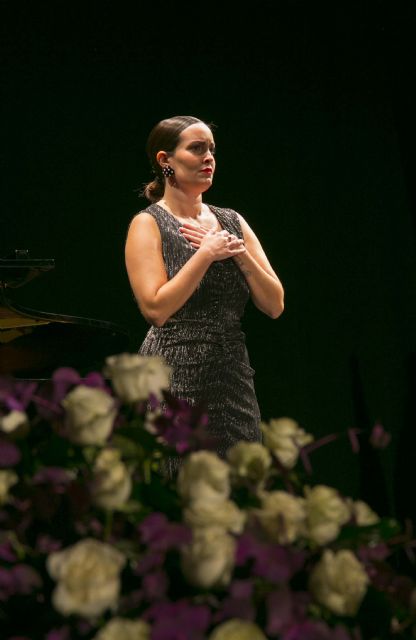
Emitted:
<point x="194" y="235"/>
<point x="265" y="287"/>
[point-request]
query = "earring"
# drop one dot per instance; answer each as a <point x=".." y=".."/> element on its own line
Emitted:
<point x="167" y="171"/>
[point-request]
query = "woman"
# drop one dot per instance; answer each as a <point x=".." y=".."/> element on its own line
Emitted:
<point x="192" y="268"/>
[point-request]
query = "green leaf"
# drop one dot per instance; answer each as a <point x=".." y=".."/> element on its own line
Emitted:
<point x="57" y="452"/>
<point x="128" y="448"/>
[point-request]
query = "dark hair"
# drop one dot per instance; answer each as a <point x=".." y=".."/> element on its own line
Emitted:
<point x="164" y="137"/>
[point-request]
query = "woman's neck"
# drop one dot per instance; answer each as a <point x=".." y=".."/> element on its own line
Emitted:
<point x="181" y="204"/>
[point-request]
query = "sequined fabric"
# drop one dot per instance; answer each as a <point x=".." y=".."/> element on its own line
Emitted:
<point x="203" y="342"/>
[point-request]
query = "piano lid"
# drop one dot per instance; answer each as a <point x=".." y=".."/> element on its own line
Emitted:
<point x="19" y="268"/>
<point x="33" y="343"/>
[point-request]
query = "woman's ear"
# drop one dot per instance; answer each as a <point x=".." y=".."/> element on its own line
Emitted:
<point x="161" y="157"/>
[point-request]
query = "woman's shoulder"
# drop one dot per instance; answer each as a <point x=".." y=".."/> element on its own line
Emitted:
<point x="229" y="211"/>
<point x="149" y="210"/>
<point x="150" y="213"/>
<point x="233" y="217"/>
<point x="223" y="209"/>
<point x="226" y="212"/>
<point x="144" y="219"/>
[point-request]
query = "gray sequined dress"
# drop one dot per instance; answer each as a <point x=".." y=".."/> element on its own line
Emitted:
<point x="203" y="342"/>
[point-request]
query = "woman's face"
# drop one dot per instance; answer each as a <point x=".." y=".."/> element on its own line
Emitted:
<point x="193" y="159"/>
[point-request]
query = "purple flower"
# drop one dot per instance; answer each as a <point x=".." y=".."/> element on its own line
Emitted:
<point x="155" y="585"/>
<point x="383" y="578"/>
<point x="160" y="534"/>
<point x="46" y="544"/>
<point x="49" y="397"/>
<point x="26" y="579"/>
<point x="9" y="454"/>
<point x="314" y="630"/>
<point x="178" y="620"/>
<point x="16" y="395"/>
<point x="239" y="603"/>
<point x="182" y="425"/>
<point x="149" y="561"/>
<point x="59" y="634"/>
<point x="6" y="552"/>
<point x="379" y="438"/>
<point x="46" y="406"/>
<point x="96" y="380"/>
<point x="285" y="609"/>
<point x="152" y="402"/>
<point x="272" y="562"/>
<point x="63" y="380"/>
<point x="378" y="553"/>
<point x="241" y="589"/>
<point x="56" y="477"/>
<point x="19" y="580"/>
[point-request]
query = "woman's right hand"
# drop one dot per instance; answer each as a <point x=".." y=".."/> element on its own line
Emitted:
<point x="219" y="245"/>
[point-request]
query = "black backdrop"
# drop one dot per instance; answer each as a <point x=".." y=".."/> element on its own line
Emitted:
<point x="314" y="112"/>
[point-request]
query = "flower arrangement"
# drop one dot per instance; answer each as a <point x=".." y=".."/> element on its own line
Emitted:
<point x="99" y="541"/>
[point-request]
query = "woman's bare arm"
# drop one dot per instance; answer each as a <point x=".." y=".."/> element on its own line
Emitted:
<point x="157" y="296"/>
<point x="265" y="287"/>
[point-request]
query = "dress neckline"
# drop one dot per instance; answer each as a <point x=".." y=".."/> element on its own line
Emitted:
<point x="213" y="209"/>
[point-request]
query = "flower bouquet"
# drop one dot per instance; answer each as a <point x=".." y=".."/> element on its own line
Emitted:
<point x="98" y="540"/>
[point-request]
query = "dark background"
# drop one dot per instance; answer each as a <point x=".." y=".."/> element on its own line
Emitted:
<point x="314" y="109"/>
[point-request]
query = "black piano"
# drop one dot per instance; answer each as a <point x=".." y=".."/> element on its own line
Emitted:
<point x="34" y="343"/>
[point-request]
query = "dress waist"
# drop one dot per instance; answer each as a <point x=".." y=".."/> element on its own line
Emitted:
<point x="182" y="330"/>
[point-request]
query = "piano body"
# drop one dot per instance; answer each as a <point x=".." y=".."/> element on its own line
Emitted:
<point x="34" y="343"/>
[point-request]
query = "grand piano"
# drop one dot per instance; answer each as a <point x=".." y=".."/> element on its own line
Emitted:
<point x="34" y="343"/>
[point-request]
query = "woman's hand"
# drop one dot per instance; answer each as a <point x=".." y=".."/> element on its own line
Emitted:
<point x="219" y="244"/>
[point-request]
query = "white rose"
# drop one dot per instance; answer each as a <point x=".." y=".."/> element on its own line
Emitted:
<point x="237" y="630"/>
<point x="88" y="576"/>
<point x="7" y="480"/>
<point x="282" y="516"/>
<point x="204" y="477"/>
<point x="15" y="423"/>
<point x="284" y="437"/>
<point x="326" y="513"/>
<point x="249" y="460"/>
<point x="208" y="560"/>
<point x="363" y="515"/>
<point x="339" y="582"/>
<point x="135" y="377"/>
<point x="111" y="486"/>
<point x="123" y="629"/>
<point x="222" y="514"/>
<point x="89" y="415"/>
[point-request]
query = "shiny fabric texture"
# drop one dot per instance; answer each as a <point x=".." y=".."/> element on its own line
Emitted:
<point x="203" y="342"/>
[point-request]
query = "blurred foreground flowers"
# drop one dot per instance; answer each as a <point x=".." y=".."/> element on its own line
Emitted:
<point x="98" y="542"/>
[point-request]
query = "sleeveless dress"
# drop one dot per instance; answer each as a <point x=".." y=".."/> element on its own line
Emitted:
<point x="203" y="342"/>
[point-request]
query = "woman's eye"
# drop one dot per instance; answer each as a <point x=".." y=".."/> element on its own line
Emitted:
<point x="202" y="148"/>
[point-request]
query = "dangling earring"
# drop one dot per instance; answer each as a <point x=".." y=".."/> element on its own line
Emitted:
<point x="167" y="171"/>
